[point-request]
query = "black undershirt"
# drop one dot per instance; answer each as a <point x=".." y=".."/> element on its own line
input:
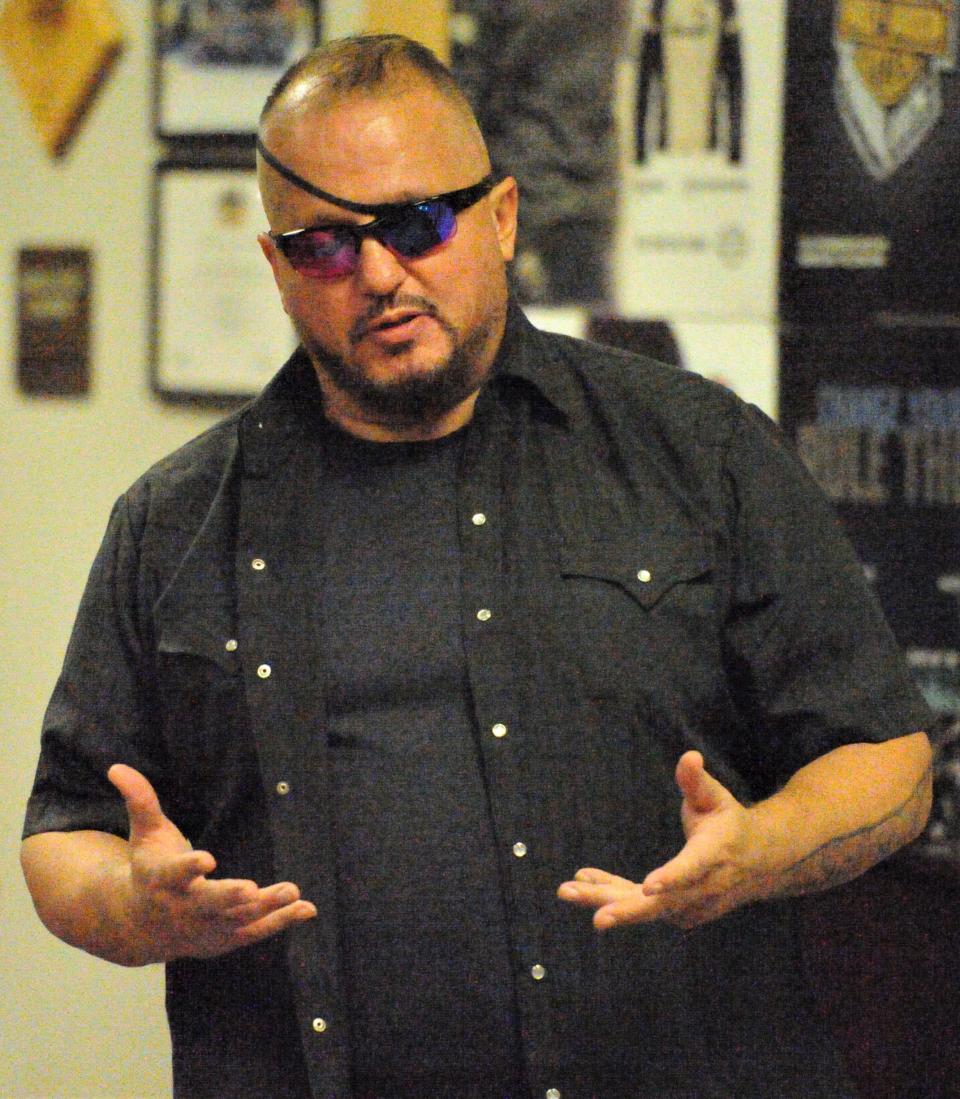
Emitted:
<point x="427" y="963"/>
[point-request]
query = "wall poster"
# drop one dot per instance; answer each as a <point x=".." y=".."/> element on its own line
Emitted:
<point x="698" y="118"/>
<point x="219" y="328"/>
<point x="875" y="411"/>
<point x="217" y="61"/>
<point x="871" y="158"/>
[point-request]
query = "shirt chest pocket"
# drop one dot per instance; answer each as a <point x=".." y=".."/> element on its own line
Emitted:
<point x="201" y="697"/>
<point x="637" y="607"/>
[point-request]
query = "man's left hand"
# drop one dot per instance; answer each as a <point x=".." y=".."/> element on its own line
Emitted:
<point x="712" y="874"/>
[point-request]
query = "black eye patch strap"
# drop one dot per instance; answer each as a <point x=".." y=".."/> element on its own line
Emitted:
<point x="378" y="209"/>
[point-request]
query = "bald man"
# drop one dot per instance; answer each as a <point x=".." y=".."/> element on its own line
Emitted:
<point x="456" y="631"/>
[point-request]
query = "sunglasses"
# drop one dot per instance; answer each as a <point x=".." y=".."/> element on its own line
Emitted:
<point x="410" y="229"/>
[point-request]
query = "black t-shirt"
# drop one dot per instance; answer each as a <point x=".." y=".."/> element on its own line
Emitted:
<point x="425" y="950"/>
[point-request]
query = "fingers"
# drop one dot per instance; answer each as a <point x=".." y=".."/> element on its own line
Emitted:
<point x="176" y="872"/>
<point x="277" y="908"/>
<point x="700" y="790"/>
<point x="616" y="900"/>
<point x="695" y="861"/>
<point x="143" y="806"/>
<point x="268" y="912"/>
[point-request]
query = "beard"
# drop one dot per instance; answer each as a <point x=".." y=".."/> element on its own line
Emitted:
<point x="410" y="396"/>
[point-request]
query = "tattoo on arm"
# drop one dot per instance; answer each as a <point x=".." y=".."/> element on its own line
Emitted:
<point x="845" y="857"/>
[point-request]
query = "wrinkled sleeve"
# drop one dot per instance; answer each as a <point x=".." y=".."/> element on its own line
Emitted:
<point x="811" y="657"/>
<point x="100" y="711"/>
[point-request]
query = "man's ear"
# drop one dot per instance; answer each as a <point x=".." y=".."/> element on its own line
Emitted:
<point x="504" y="202"/>
<point x="272" y="253"/>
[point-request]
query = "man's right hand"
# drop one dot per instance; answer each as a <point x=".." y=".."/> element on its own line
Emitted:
<point x="174" y="904"/>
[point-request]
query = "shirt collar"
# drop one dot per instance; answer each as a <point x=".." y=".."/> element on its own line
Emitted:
<point x="531" y="356"/>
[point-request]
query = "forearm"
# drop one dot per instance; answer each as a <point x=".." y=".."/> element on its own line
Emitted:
<point x="841" y="814"/>
<point x="81" y="887"/>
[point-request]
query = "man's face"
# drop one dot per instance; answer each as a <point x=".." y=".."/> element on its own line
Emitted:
<point x="397" y="341"/>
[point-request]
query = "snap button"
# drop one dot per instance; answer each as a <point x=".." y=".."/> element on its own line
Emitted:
<point x="264" y="671"/>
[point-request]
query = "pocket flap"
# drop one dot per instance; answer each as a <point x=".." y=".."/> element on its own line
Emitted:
<point x="646" y="567"/>
<point x="201" y="639"/>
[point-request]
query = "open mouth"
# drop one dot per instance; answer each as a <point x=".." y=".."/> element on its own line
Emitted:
<point x="395" y="320"/>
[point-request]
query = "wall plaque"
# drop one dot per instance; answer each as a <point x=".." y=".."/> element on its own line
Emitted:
<point x="53" y="308"/>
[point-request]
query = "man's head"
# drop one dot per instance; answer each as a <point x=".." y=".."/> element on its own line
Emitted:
<point x="402" y="330"/>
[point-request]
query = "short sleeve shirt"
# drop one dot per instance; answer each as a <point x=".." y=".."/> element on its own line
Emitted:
<point x="645" y="568"/>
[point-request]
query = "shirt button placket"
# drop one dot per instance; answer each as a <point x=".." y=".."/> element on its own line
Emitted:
<point x="264" y="671"/>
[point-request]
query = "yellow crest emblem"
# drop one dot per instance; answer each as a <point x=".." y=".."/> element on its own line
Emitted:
<point x="894" y="41"/>
<point x="890" y="58"/>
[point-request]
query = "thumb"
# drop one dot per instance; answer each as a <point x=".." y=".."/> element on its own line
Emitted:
<point x="701" y="791"/>
<point x="143" y="805"/>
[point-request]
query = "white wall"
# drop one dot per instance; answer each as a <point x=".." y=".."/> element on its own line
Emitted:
<point x="71" y="1025"/>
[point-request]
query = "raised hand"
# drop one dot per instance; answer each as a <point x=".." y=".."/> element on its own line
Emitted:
<point x="174" y="908"/>
<point x="714" y="872"/>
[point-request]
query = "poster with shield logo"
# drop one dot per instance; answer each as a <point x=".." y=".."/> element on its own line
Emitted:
<point x="875" y="410"/>
<point x="871" y="158"/>
<point x="698" y="118"/>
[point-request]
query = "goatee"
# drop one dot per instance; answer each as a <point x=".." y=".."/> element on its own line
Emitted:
<point x="413" y="396"/>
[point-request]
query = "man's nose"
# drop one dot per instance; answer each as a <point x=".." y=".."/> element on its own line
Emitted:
<point x="380" y="271"/>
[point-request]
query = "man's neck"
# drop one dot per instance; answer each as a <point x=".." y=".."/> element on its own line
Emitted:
<point x="365" y="425"/>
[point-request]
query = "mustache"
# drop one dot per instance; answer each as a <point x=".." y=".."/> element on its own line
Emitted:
<point x="362" y="325"/>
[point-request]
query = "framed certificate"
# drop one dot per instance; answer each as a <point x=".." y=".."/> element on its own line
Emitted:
<point x="219" y="330"/>
<point x="216" y="61"/>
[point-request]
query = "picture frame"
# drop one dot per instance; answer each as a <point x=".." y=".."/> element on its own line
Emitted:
<point x="219" y="332"/>
<point x="215" y="61"/>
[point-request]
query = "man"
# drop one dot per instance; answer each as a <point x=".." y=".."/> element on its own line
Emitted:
<point x="451" y="610"/>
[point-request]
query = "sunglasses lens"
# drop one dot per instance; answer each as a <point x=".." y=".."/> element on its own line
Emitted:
<point x="320" y="253"/>
<point x="420" y="228"/>
<point x="410" y="232"/>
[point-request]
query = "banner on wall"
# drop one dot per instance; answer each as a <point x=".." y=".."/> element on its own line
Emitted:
<point x="698" y="95"/>
<point x="871" y="159"/>
<point x="875" y="411"/>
